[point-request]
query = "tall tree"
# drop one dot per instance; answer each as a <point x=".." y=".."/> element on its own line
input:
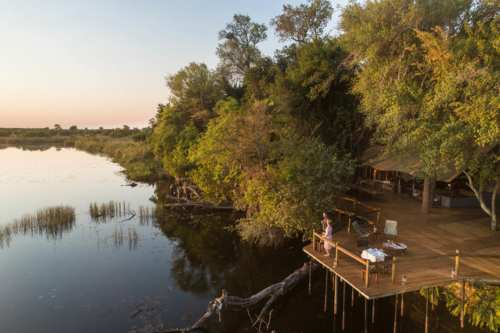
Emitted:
<point x="194" y="91"/>
<point x="237" y="49"/>
<point x="461" y="123"/>
<point x="303" y="23"/>
<point x="314" y="88"/>
<point x="394" y="81"/>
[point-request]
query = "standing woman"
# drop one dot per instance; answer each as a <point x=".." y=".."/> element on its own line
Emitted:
<point x="324" y="221"/>
<point x="328" y="234"/>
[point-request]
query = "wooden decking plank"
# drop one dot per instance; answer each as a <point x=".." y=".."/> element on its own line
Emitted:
<point x="432" y="240"/>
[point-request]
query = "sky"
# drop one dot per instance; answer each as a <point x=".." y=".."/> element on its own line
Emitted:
<point x="96" y="63"/>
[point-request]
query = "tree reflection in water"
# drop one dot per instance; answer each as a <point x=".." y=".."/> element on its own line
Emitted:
<point x="209" y="255"/>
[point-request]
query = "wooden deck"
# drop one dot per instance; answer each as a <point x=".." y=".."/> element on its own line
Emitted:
<point x="432" y="241"/>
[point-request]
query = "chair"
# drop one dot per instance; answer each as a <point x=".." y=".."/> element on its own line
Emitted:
<point x="391" y="228"/>
<point x="361" y="229"/>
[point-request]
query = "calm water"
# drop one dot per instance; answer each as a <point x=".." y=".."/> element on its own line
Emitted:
<point x="87" y="280"/>
<point x="128" y="276"/>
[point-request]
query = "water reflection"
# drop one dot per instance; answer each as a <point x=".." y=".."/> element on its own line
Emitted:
<point x="109" y="210"/>
<point x="50" y="221"/>
<point x="208" y="255"/>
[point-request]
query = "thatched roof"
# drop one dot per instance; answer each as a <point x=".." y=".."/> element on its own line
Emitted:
<point x="378" y="159"/>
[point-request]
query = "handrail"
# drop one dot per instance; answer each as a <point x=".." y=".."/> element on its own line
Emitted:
<point x="345" y="212"/>
<point x="366" y="263"/>
<point x="368" y="207"/>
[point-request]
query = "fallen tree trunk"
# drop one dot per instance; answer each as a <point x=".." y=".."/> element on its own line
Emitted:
<point x="234" y="303"/>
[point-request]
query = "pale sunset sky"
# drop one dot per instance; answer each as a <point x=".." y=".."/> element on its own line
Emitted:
<point x="96" y="63"/>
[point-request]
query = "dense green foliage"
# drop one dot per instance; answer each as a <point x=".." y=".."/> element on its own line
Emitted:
<point x="481" y="303"/>
<point x="261" y="133"/>
<point x="429" y="82"/>
<point x="273" y="137"/>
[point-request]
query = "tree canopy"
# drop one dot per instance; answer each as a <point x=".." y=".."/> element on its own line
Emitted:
<point x="304" y="22"/>
<point x="266" y="133"/>
<point x="237" y="49"/>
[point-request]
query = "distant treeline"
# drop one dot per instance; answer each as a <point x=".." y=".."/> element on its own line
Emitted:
<point x="125" y="146"/>
<point x="18" y="134"/>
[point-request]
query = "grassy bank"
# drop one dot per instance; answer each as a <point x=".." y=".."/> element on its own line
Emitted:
<point x="134" y="156"/>
<point x="127" y="147"/>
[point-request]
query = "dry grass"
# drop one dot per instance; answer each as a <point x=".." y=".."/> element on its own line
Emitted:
<point x="104" y="211"/>
<point x="51" y="221"/>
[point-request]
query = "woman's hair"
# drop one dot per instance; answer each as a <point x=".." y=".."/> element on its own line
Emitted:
<point x="325" y="213"/>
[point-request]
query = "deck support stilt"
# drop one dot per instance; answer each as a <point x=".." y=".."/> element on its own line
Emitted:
<point x="335" y="297"/>
<point x="395" y="325"/>
<point x="402" y="305"/>
<point x="343" y="306"/>
<point x="462" y="305"/>
<point x="427" y="311"/>
<point x="326" y="290"/>
<point x="352" y="297"/>
<point x="373" y="312"/>
<point x="366" y="315"/>
<point x="310" y="278"/>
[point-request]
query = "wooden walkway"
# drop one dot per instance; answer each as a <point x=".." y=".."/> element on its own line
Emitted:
<point x="432" y="243"/>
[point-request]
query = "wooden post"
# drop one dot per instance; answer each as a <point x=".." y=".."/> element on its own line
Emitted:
<point x="349" y="224"/>
<point x="395" y="326"/>
<point x="326" y="291"/>
<point x="336" y="260"/>
<point x="343" y="306"/>
<point x="427" y="311"/>
<point x="367" y="278"/>
<point x="366" y="315"/>
<point x="336" y="289"/>
<point x="393" y="274"/>
<point x="314" y="242"/>
<point x="310" y="277"/>
<point x="457" y="263"/>
<point x="402" y="305"/>
<point x="373" y="311"/>
<point x="352" y="297"/>
<point x="427" y="195"/>
<point x="462" y="305"/>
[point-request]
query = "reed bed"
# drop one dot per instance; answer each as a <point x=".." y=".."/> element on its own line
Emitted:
<point x="51" y="221"/>
<point x="104" y="211"/>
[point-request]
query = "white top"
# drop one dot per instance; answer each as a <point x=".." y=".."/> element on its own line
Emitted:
<point x="329" y="232"/>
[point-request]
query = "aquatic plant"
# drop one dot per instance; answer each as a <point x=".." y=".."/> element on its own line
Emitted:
<point x="51" y="221"/>
<point x="104" y="211"/>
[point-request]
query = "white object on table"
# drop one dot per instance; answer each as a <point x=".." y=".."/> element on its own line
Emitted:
<point x="373" y="255"/>
<point x="394" y="245"/>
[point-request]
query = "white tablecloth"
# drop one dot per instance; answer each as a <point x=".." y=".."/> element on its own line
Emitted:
<point x="373" y="255"/>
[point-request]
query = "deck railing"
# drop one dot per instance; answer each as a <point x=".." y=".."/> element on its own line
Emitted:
<point x="395" y="263"/>
<point x="363" y="211"/>
<point x="317" y="237"/>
